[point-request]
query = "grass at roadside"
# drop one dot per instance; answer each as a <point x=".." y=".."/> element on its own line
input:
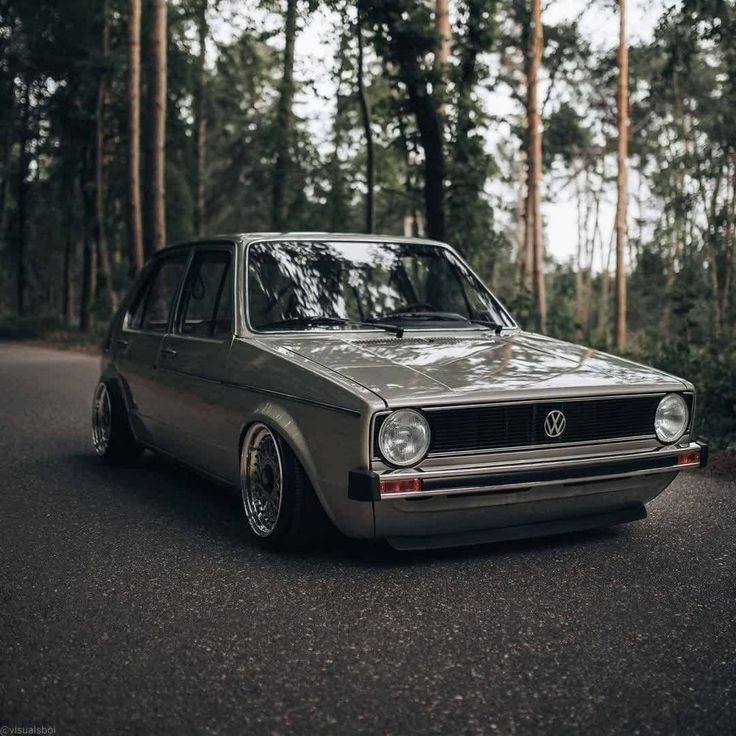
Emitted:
<point x="50" y="333"/>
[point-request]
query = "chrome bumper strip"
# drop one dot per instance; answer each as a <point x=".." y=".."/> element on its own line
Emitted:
<point x="365" y="485"/>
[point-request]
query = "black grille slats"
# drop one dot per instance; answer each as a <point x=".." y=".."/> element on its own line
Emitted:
<point x="588" y="421"/>
<point x="505" y="426"/>
<point x="477" y="429"/>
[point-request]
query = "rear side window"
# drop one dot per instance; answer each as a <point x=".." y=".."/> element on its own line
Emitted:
<point x="153" y="305"/>
<point x="207" y="300"/>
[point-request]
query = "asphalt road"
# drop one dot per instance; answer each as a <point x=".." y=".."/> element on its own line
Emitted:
<point x="131" y="601"/>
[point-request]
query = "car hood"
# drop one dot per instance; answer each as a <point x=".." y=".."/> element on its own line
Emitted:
<point x="452" y="368"/>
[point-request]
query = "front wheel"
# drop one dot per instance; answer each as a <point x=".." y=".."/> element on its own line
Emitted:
<point x="112" y="437"/>
<point x="281" y="508"/>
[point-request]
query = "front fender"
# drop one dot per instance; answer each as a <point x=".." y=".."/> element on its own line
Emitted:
<point x="325" y="443"/>
<point x="282" y="422"/>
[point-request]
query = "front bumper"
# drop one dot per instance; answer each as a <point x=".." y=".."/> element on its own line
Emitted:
<point x="366" y="485"/>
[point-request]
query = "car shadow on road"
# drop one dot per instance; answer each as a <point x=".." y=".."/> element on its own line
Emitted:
<point x="384" y="555"/>
<point x="215" y="511"/>
<point x="171" y="490"/>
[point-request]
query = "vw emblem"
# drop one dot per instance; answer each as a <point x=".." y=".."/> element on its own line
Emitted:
<point x="554" y="423"/>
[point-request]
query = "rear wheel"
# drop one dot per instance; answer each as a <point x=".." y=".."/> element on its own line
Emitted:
<point x="281" y="508"/>
<point x="112" y="437"/>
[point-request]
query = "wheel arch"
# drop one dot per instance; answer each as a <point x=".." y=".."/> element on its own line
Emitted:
<point x="111" y="376"/>
<point x="283" y="424"/>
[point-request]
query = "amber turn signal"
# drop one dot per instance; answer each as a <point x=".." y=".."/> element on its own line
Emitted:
<point x="691" y="457"/>
<point x="400" y="485"/>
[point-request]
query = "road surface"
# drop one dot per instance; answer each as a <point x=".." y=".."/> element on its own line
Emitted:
<point x="131" y="601"/>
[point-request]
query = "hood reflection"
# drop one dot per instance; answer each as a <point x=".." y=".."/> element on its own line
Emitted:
<point x="435" y="367"/>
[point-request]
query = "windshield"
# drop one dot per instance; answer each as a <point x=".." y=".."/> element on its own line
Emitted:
<point x="342" y="284"/>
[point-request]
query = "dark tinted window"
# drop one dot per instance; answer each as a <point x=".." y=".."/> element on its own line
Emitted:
<point x="153" y="306"/>
<point x="224" y="321"/>
<point x="206" y="304"/>
<point x="136" y="310"/>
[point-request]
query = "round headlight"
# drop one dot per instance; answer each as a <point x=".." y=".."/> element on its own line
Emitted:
<point x="404" y="437"/>
<point x="670" y="421"/>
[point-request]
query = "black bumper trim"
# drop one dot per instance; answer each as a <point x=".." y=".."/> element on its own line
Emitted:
<point x="703" y="445"/>
<point x="363" y="485"/>
<point x="524" y="531"/>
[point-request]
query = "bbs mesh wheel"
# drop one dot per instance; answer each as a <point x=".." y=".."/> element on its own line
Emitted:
<point x="281" y="508"/>
<point x="112" y="438"/>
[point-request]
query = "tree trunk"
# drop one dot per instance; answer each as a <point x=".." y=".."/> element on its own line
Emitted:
<point x="442" y="14"/>
<point x="592" y="203"/>
<point x="710" y="239"/>
<point x="200" y="123"/>
<point x="603" y="331"/>
<point x="22" y="204"/>
<point x="430" y="134"/>
<point x="622" y="102"/>
<point x="534" y="168"/>
<point x="729" y="244"/>
<point x="579" y="276"/>
<point x="442" y="55"/>
<point x="67" y="298"/>
<point x="429" y="124"/>
<point x="89" y="262"/>
<point x="409" y="58"/>
<point x="693" y="160"/>
<point x="442" y="58"/>
<point x="155" y="238"/>
<point x="412" y="220"/>
<point x="522" y="269"/>
<point x="672" y="254"/>
<point x="370" y="214"/>
<point x="5" y="172"/>
<point x="284" y="117"/>
<point x="102" y="252"/>
<point x="135" y="222"/>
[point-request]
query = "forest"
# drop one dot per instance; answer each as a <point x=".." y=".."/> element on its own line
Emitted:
<point x="129" y="124"/>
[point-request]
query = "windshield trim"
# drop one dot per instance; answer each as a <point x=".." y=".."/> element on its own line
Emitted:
<point x="367" y="239"/>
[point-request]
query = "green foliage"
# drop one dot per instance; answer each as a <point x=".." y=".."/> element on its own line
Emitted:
<point x="712" y="368"/>
<point x="682" y="249"/>
<point x="472" y="228"/>
<point x="566" y="135"/>
<point x="30" y="326"/>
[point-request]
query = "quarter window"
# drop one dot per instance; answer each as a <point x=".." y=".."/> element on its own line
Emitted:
<point x="207" y="303"/>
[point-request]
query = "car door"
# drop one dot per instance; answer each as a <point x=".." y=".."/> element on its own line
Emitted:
<point x="193" y="360"/>
<point x="140" y="338"/>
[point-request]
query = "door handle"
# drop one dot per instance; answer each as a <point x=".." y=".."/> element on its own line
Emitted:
<point x="122" y="343"/>
<point x="168" y="352"/>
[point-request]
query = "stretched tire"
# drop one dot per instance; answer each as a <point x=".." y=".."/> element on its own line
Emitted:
<point x="281" y="507"/>
<point x="112" y="437"/>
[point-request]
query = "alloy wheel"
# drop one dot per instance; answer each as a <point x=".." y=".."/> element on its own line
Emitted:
<point x="101" y="419"/>
<point x="261" y="479"/>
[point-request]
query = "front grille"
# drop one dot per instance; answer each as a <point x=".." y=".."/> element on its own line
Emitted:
<point x="504" y="426"/>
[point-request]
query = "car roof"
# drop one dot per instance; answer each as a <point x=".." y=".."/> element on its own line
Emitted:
<point x="251" y="237"/>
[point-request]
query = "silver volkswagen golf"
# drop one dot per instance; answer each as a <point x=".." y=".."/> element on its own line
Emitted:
<point x="375" y="385"/>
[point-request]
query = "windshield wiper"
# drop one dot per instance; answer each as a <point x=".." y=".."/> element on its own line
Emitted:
<point x="495" y="326"/>
<point x="323" y="320"/>
<point x="441" y="317"/>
